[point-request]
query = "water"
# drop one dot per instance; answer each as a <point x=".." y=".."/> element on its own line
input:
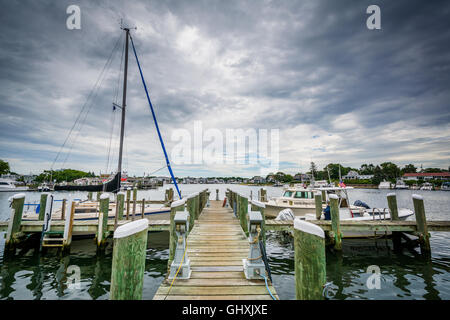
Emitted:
<point x="406" y="275"/>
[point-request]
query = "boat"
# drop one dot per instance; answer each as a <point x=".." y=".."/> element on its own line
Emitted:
<point x="300" y="200"/>
<point x="426" y="186"/>
<point x="110" y="185"/>
<point x="45" y="187"/>
<point x="415" y="187"/>
<point x="89" y="210"/>
<point x="445" y="186"/>
<point x="7" y="185"/>
<point x="400" y="184"/>
<point x="384" y="185"/>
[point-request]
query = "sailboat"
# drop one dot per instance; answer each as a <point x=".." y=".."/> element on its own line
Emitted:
<point x="88" y="210"/>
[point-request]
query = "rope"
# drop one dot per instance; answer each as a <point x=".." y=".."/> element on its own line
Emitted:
<point x="267" y="287"/>
<point x="87" y="100"/>
<point x="176" y="274"/>
<point x="154" y="119"/>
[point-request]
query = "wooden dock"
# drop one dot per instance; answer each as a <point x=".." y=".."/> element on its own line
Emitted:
<point x="216" y="246"/>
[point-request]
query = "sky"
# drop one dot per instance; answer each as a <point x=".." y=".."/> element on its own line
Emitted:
<point x="335" y="90"/>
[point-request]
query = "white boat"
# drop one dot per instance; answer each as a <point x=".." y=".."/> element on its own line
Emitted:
<point x="300" y="200"/>
<point x="44" y="187"/>
<point x="384" y="185"/>
<point x="426" y="186"/>
<point x="445" y="186"/>
<point x="400" y="184"/>
<point x="7" y="185"/>
<point x="415" y="187"/>
<point x="89" y="210"/>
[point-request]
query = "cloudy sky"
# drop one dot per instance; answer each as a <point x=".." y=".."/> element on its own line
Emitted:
<point x="337" y="91"/>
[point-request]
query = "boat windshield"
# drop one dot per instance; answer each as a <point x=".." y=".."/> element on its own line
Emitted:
<point x="288" y="194"/>
<point x="4" y="183"/>
<point x="303" y="195"/>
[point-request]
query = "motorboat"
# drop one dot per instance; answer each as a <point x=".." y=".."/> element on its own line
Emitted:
<point x="300" y="200"/>
<point x="427" y="186"/>
<point x="44" y="187"/>
<point x="384" y="185"/>
<point x="7" y="185"/>
<point x="445" y="186"/>
<point x="400" y="184"/>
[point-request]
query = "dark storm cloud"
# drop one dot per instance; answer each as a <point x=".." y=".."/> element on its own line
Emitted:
<point x="310" y="68"/>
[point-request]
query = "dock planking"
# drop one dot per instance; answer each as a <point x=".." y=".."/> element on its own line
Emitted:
<point x="216" y="246"/>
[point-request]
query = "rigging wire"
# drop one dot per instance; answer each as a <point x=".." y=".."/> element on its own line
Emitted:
<point x="97" y="90"/>
<point x="154" y="120"/>
<point x="86" y="102"/>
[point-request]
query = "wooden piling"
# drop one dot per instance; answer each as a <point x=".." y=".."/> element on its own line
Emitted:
<point x="393" y="209"/>
<point x="63" y="209"/>
<point x="310" y="260"/>
<point x="217" y="194"/>
<point x="42" y="205"/>
<point x="128" y="202"/>
<point x="175" y="206"/>
<point x="263" y="195"/>
<point x="15" y="220"/>
<point x="98" y="196"/>
<point x="259" y="206"/>
<point x="120" y="205"/>
<point x="90" y="195"/>
<point x="134" y="202"/>
<point x="128" y="263"/>
<point x="243" y="211"/>
<point x="190" y="204"/>
<point x="422" y="228"/>
<point x="102" y="231"/>
<point x="143" y="209"/>
<point x="68" y="227"/>
<point x="335" y="221"/>
<point x="318" y="203"/>
<point x="324" y="196"/>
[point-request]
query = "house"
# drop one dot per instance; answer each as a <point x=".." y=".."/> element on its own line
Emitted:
<point x="427" y="176"/>
<point x="302" y="177"/>
<point x="258" y="179"/>
<point x="365" y="176"/>
<point x="351" y="175"/>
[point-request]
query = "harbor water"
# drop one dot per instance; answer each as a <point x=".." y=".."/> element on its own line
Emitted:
<point x="406" y="275"/>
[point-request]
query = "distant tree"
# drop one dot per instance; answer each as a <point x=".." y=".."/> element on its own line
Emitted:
<point x="334" y="170"/>
<point x="390" y="171"/>
<point x="367" y="169"/>
<point x="377" y="175"/>
<point x="4" y="167"/>
<point x="68" y="175"/>
<point x="429" y="170"/>
<point x="409" y="168"/>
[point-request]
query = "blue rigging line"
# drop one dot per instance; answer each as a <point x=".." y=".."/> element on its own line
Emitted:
<point x="154" y="119"/>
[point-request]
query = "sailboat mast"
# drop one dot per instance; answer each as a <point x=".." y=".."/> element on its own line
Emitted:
<point x="124" y="102"/>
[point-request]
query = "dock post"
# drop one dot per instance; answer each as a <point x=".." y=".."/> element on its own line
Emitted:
<point x="263" y="195"/>
<point x="335" y="223"/>
<point x="318" y="202"/>
<point x="393" y="209"/>
<point x="175" y="206"/>
<point x="134" y="202"/>
<point x="422" y="228"/>
<point x="98" y="196"/>
<point x="42" y="206"/>
<point x="310" y="260"/>
<point x="217" y="194"/>
<point x="13" y="233"/>
<point x="120" y="205"/>
<point x="243" y="211"/>
<point x="68" y="227"/>
<point x="324" y="196"/>
<point x="259" y="206"/>
<point x="63" y="209"/>
<point x="128" y="262"/>
<point x="90" y="195"/>
<point x="190" y="204"/>
<point x="128" y="202"/>
<point x="143" y="208"/>
<point x="102" y="231"/>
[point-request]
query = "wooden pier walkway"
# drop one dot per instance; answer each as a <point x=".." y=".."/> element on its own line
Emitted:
<point x="216" y="246"/>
